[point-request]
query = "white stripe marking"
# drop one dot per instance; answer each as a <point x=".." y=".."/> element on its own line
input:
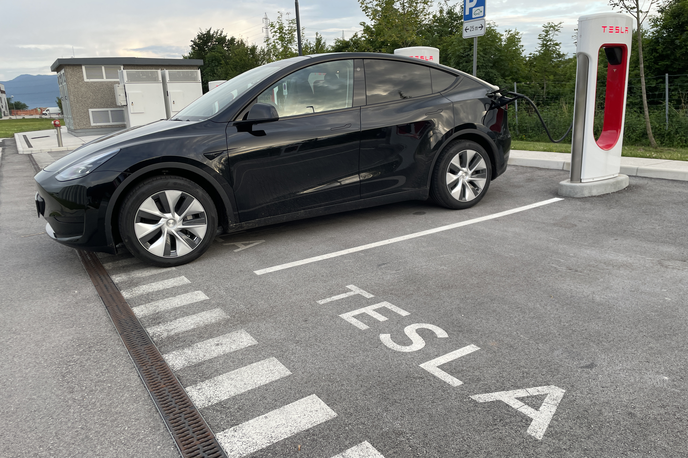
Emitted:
<point x="168" y="304"/>
<point x="157" y="286"/>
<point x="404" y="237"/>
<point x="362" y="450"/>
<point x="208" y="349"/>
<point x="141" y="273"/>
<point x="236" y="382"/>
<point x="541" y="417"/>
<point x="354" y="290"/>
<point x="432" y="365"/>
<point x="186" y="324"/>
<point x="274" y="426"/>
<point x="122" y="263"/>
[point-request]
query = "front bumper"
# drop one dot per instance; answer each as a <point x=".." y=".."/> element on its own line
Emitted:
<point x="71" y="219"/>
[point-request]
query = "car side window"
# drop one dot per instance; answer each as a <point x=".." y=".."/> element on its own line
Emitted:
<point x="388" y="80"/>
<point x="315" y="89"/>
<point x="441" y="80"/>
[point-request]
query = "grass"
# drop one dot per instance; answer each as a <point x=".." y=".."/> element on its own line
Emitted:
<point x="674" y="154"/>
<point x="9" y="127"/>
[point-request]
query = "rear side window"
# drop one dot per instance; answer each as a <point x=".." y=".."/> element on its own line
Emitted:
<point x="388" y="80"/>
<point x="441" y="80"/>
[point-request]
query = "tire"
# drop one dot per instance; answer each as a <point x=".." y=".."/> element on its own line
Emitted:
<point x="462" y="175"/>
<point x="167" y="221"/>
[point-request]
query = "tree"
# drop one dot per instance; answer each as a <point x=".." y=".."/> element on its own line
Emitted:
<point x="356" y="43"/>
<point x="667" y="46"/>
<point x="223" y="57"/>
<point x="17" y="105"/>
<point x="443" y="30"/>
<point x="394" y="23"/>
<point x="635" y="8"/>
<point x="319" y="46"/>
<point x="283" y="41"/>
<point x="59" y="103"/>
<point x="546" y="62"/>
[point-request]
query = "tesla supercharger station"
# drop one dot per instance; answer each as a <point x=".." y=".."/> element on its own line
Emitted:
<point x="427" y="53"/>
<point x="596" y="162"/>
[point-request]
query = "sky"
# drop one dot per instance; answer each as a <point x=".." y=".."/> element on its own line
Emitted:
<point x="34" y="34"/>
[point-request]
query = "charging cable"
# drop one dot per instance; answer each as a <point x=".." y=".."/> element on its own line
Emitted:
<point x="505" y="101"/>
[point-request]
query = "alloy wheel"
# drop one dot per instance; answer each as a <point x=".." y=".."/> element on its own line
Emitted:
<point x="170" y="224"/>
<point x="466" y="175"/>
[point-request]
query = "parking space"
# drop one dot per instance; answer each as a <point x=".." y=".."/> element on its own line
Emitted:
<point x="525" y="326"/>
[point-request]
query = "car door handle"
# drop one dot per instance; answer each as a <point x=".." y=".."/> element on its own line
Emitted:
<point x="434" y="112"/>
<point x="345" y="126"/>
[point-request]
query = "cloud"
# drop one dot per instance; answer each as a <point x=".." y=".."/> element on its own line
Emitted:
<point x="44" y="47"/>
<point x="160" y="51"/>
<point x="156" y="28"/>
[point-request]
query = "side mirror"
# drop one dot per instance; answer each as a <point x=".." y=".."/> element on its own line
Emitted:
<point x="262" y="112"/>
<point x="259" y="112"/>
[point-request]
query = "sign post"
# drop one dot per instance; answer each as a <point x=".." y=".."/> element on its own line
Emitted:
<point x="474" y="25"/>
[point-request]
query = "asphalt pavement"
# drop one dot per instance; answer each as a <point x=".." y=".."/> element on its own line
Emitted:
<point x="68" y="385"/>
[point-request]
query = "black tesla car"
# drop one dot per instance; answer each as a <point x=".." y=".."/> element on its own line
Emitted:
<point x="292" y="139"/>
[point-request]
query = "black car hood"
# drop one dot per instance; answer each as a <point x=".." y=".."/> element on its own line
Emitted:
<point x="115" y="140"/>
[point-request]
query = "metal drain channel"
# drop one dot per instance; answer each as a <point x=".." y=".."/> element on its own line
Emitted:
<point x="185" y="423"/>
<point x="190" y="432"/>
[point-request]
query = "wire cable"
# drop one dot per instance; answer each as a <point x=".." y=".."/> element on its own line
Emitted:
<point x="523" y="96"/>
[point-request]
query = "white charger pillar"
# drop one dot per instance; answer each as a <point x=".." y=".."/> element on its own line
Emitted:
<point x="596" y="162"/>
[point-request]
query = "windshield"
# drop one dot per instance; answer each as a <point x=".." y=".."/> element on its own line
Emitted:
<point x="220" y="98"/>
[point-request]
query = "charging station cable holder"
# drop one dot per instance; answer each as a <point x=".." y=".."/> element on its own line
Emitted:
<point x="596" y="163"/>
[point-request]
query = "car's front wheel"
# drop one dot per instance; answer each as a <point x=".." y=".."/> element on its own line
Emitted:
<point x="461" y="176"/>
<point x="167" y="221"/>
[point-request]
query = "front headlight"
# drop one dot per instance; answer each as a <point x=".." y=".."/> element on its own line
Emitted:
<point x="85" y="166"/>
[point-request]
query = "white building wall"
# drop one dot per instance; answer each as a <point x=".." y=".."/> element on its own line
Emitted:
<point x="4" y="107"/>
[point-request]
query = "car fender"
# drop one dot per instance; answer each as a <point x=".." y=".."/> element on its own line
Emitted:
<point x="223" y="191"/>
<point x="470" y="132"/>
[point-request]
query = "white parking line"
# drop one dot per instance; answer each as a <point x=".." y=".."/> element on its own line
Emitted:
<point x="168" y="304"/>
<point x="157" y="286"/>
<point x="122" y="263"/>
<point x="186" y="324"/>
<point x="274" y="426"/>
<point x="208" y="349"/>
<point x="362" y="450"/>
<point x="141" y="273"/>
<point x="404" y="237"/>
<point x="236" y="382"/>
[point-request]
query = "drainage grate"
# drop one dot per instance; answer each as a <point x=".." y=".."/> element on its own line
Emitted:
<point x="186" y="425"/>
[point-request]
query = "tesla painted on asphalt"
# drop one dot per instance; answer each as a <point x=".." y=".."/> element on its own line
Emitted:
<point x="301" y="137"/>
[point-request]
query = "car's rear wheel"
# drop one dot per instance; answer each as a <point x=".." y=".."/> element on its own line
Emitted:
<point x="167" y="221"/>
<point x="462" y="175"/>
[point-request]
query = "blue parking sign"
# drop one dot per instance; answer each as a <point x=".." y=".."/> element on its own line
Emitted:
<point x="473" y="9"/>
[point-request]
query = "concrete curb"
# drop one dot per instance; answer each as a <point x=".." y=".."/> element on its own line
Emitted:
<point x="631" y="166"/>
<point x="46" y="141"/>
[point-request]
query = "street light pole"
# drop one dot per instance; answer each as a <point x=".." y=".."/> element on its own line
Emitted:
<point x="298" y="27"/>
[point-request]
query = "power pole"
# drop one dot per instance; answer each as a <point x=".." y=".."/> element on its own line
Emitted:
<point x="298" y="27"/>
<point x="266" y="27"/>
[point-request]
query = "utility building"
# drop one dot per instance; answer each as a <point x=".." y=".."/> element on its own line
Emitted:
<point x="87" y="88"/>
<point x="4" y="107"/>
